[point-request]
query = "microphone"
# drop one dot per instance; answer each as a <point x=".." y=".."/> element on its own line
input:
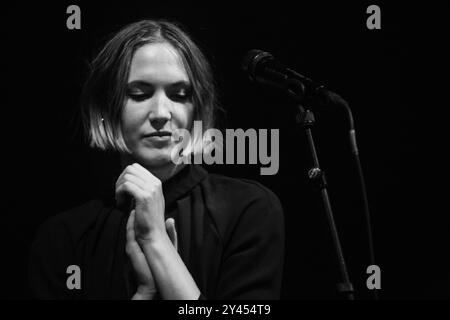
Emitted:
<point x="262" y="67"/>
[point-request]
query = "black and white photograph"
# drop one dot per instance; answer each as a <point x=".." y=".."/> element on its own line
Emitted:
<point x="224" y="151"/>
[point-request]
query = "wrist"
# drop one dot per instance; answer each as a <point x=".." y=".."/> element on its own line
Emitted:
<point x="154" y="237"/>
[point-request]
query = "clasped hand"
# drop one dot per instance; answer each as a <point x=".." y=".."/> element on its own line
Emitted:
<point x="145" y="223"/>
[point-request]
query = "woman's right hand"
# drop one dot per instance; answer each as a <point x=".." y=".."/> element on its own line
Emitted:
<point x="146" y="287"/>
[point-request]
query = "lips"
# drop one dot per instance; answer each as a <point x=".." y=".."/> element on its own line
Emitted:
<point x="158" y="134"/>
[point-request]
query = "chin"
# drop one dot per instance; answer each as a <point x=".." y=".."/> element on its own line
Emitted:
<point x="152" y="158"/>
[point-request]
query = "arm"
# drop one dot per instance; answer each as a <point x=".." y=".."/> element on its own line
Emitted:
<point x="172" y="276"/>
<point x="46" y="266"/>
<point x="253" y="260"/>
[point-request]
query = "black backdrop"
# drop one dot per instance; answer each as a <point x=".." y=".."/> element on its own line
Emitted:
<point x="47" y="168"/>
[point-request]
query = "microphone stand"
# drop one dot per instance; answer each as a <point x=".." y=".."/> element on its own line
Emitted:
<point x="305" y="118"/>
<point x="362" y="184"/>
<point x="323" y="97"/>
<point x="295" y="84"/>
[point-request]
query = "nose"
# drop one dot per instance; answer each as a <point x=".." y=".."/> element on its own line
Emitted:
<point x="160" y="111"/>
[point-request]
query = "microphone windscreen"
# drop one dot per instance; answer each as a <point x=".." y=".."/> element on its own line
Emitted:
<point x="251" y="59"/>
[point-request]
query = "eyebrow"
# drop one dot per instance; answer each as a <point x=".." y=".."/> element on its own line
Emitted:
<point x="148" y="84"/>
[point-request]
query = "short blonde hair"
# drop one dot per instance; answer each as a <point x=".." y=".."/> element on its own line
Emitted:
<point x="104" y="92"/>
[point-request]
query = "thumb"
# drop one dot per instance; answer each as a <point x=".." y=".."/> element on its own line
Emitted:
<point x="172" y="232"/>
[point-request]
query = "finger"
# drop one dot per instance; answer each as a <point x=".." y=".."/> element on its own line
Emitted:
<point x="131" y="178"/>
<point x="139" y="168"/>
<point x="130" y="188"/>
<point x="130" y="227"/>
<point x="132" y="247"/>
<point x="172" y="232"/>
<point x="137" y="175"/>
<point x="128" y="172"/>
<point x="124" y="171"/>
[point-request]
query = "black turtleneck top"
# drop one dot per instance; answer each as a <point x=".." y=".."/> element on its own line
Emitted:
<point x="230" y="236"/>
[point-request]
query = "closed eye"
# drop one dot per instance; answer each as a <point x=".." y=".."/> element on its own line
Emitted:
<point x="181" y="95"/>
<point x="178" y="92"/>
<point x="138" y="96"/>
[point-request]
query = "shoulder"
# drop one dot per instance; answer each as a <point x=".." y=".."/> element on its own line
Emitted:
<point x="242" y="191"/>
<point x="71" y="224"/>
<point x="232" y="201"/>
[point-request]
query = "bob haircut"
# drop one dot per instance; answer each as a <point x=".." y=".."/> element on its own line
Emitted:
<point x="104" y="92"/>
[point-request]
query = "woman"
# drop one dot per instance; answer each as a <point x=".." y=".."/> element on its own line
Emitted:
<point x="170" y="230"/>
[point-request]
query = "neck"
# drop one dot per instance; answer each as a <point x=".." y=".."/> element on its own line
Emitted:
<point x="163" y="172"/>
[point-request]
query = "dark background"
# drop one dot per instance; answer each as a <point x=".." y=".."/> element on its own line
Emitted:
<point x="385" y="75"/>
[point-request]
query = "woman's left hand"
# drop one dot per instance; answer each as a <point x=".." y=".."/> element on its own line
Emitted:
<point x="146" y="190"/>
<point x="146" y="286"/>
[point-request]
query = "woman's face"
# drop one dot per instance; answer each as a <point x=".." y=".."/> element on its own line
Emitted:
<point x="158" y="102"/>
